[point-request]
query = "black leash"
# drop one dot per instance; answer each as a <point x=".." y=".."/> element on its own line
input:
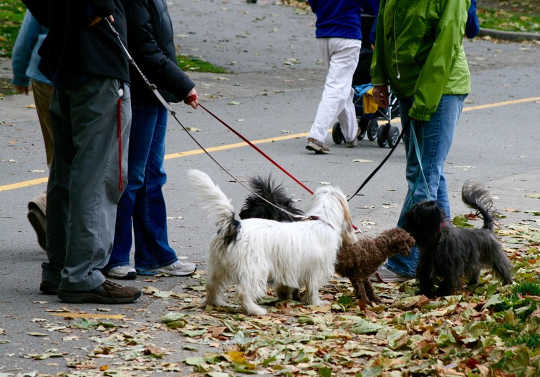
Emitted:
<point x="378" y="167"/>
<point x="169" y="108"/>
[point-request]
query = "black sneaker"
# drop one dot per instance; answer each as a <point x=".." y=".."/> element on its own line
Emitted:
<point x="107" y="293"/>
<point x="48" y="288"/>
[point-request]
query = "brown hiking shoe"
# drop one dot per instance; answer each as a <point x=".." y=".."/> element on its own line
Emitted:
<point x="36" y="216"/>
<point x="316" y="146"/>
<point x="107" y="293"/>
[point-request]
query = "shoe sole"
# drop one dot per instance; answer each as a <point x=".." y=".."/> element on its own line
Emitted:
<point x="182" y="275"/>
<point x="34" y="220"/>
<point x="132" y="275"/>
<point x="91" y="298"/>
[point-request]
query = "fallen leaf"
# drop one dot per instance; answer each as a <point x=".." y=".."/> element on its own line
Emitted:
<point x="73" y="315"/>
<point x="34" y="333"/>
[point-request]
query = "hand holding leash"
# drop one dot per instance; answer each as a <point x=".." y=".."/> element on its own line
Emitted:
<point x="380" y="94"/>
<point x="192" y="98"/>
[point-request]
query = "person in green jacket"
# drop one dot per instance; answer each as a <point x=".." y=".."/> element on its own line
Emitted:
<point x="419" y="54"/>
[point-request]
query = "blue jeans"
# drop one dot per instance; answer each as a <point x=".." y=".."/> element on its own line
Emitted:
<point x="434" y="140"/>
<point x="142" y="204"/>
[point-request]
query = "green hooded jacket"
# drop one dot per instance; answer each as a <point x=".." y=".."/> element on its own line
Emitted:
<point x="419" y="51"/>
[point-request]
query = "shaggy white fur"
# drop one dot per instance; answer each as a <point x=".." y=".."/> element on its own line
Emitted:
<point x="292" y="255"/>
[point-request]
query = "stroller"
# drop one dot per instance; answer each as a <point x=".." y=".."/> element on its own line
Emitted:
<point x="368" y="123"/>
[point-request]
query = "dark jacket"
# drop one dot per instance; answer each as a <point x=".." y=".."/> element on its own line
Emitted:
<point x="473" y="25"/>
<point x="341" y="18"/>
<point x="73" y="51"/>
<point x="151" y="43"/>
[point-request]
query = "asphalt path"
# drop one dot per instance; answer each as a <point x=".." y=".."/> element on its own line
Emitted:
<point x="270" y="98"/>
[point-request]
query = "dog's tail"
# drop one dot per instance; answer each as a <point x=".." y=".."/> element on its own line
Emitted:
<point x="216" y="203"/>
<point x="477" y="197"/>
<point x="265" y="188"/>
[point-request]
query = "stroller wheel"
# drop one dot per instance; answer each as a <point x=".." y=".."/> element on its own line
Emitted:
<point x="362" y="128"/>
<point x="393" y="134"/>
<point x="382" y="135"/>
<point x="337" y="136"/>
<point x="372" y="129"/>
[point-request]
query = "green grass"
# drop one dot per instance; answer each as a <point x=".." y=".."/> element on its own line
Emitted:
<point x="190" y="63"/>
<point x="508" y="21"/>
<point x="11" y="14"/>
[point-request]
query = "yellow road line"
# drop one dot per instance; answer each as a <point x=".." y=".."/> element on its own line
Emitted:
<point x="499" y="104"/>
<point x="38" y="181"/>
<point x="18" y="185"/>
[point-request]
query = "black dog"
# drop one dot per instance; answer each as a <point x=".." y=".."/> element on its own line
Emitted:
<point x="254" y="206"/>
<point x="448" y="254"/>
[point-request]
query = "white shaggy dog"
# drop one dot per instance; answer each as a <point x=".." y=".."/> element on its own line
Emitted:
<point x="253" y="251"/>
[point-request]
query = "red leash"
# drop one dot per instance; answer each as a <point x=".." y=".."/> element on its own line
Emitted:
<point x="119" y="139"/>
<point x="256" y="148"/>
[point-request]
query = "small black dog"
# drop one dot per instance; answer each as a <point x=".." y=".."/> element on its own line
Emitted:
<point x="449" y="254"/>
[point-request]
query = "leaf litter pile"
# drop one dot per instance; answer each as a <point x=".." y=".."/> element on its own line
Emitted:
<point x="486" y="330"/>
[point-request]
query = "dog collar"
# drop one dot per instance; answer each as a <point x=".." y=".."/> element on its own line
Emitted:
<point x="317" y="218"/>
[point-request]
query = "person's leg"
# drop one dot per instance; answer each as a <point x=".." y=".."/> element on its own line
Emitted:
<point x="318" y="130"/>
<point x="143" y="125"/>
<point x="342" y="55"/>
<point x="42" y="98"/>
<point x="348" y="59"/>
<point x="434" y="140"/>
<point x="152" y="248"/>
<point x="453" y="107"/>
<point x="37" y="206"/>
<point x="57" y="213"/>
<point x="100" y="118"/>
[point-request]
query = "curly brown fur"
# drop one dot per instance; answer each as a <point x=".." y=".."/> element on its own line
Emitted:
<point x="450" y="255"/>
<point x="361" y="259"/>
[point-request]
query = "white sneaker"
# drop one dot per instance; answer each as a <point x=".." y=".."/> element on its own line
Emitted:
<point x="122" y="272"/>
<point x="387" y="276"/>
<point x="178" y="269"/>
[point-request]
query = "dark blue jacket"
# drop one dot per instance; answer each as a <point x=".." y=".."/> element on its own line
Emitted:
<point x="473" y="26"/>
<point x="341" y="18"/>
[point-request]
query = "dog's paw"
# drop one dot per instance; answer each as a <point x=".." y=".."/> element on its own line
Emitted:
<point x="218" y="302"/>
<point x="318" y="302"/>
<point x="256" y="310"/>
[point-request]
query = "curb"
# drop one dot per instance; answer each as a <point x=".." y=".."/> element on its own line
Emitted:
<point x="509" y="35"/>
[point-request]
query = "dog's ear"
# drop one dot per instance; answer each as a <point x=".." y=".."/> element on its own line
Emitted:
<point x="348" y="233"/>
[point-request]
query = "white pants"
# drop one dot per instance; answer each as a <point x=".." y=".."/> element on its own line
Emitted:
<point x="341" y="57"/>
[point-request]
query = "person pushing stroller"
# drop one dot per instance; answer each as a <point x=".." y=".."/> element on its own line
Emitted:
<point x="339" y="34"/>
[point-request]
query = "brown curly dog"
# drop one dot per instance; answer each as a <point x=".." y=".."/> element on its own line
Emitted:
<point x="361" y="259"/>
